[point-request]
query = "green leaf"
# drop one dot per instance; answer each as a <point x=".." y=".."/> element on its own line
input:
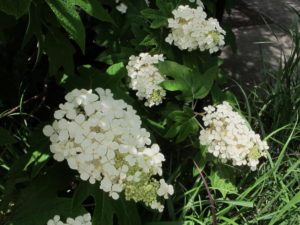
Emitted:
<point x="165" y="7"/>
<point x="169" y="223"/>
<point x="222" y="179"/>
<point x="95" y="9"/>
<point x="201" y="159"/>
<point x="97" y="78"/>
<point x="106" y="208"/>
<point x="190" y="83"/>
<point x="158" y="19"/>
<point x="6" y="137"/>
<point x="36" y="157"/>
<point x="14" y="176"/>
<point x="115" y="69"/>
<point x="60" y="52"/>
<point x="149" y="40"/>
<point x="229" y="221"/>
<point x="69" y="19"/>
<point x="295" y="200"/>
<point x="218" y="96"/>
<point x="15" y="8"/>
<point x="184" y="126"/>
<point x="90" y="78"/>
<point x="111" y="57"/>
<point x="39" y="201"/>
<point x="238" y="203"/>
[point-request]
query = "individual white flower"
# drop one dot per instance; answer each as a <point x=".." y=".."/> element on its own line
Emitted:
<point x="145" y="78"/>
<point x="104" y="141"/>
<point x="165" y="189"/>
<point x="79" y="220"/>
<point x="48" y="130"/>
<point x="122" y="8"/>
<point x="157" y="205"/>
<point x="229" y="137"/>
<point x="191" y="30"/>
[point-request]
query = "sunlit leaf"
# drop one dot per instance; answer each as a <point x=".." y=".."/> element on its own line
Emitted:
<point x="190" y="83"/>
<point x="69" y="18"/>
<point x="95" y="9"/>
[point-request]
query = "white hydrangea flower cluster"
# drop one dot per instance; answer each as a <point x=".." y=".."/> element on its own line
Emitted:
<point x="229" y="137"/>
<point x="122" y="7"/>
<point x="190" y="29"/>
<point x="79" y="220"/>
<point x="145" y="78"/>
<point x="102" y="138"/>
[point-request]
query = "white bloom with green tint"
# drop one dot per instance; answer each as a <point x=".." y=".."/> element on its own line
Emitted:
<point x="79" y="220"/>
<point x="191" y="30"/>
<point x="145" y="78"/>
<point x="229" y="137"/>
<point x="103" y="140"/>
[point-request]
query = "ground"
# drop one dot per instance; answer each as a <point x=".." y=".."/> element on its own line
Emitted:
<point x="261" y="28"/>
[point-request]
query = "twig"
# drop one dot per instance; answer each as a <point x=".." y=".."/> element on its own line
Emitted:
<point x="42" y="96"/>
<point x="198" y="123"/>
<point x="211" y="200"/>
<point x="18" y="107"/>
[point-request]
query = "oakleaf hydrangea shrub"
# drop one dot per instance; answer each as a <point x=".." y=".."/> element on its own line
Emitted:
<point x="191" y="30"/>
<point x="145" y="78"/>
<point x="229" y="137"/>
<point x="79" y="220"/>
<point x="103" y="140"/>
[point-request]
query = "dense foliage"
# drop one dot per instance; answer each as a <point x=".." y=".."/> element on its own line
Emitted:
<point x="161" y="79"/>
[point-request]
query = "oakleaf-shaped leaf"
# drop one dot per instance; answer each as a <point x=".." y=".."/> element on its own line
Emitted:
<point x="222" y="179"/>
<point x="191" y="84"/>
<point x="69" y="18"/>
<point x="106" y="208"/>
<point x="183" y="125"/>
<point x="39" y="201"/>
